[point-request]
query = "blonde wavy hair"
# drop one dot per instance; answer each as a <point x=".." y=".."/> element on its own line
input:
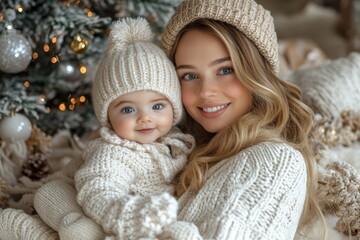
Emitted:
<point x="277" y="114"/>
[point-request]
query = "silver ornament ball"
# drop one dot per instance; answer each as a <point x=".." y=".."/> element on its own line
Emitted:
<point x="15" y="128"/>
<point x="68" y="71"/>
<point x="15" y="52"/>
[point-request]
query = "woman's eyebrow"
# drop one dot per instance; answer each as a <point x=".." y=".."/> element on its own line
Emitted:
<point x="220" y="60"/>
<point x="184" y="67"/>
<point x="215" y="62"/>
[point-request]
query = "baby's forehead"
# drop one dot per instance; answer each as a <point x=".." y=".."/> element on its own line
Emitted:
<point x="144" y="93"/>
<point x="140" y="96"/>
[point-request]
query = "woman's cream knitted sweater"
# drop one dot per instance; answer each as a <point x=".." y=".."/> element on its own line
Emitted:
<point x="125" y="186"/>
<point x="257" y="194"/>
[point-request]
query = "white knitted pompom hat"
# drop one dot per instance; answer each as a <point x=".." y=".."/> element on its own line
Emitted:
<point x="132" y="62"/>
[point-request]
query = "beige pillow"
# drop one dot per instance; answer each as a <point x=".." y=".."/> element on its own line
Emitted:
<point x="332" y="90"/>
<point x="332" y="86"/>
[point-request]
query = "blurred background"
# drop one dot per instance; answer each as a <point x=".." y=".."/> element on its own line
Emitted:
<point x="334" y="25"/>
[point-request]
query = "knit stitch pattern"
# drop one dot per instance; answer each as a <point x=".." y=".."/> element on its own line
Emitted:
<point x="257" y="194"/>
<point x="331" y="87"/>
<point x="125" y="186"/>
<point x="246" y="15"/>
<point x="16" y="224"/>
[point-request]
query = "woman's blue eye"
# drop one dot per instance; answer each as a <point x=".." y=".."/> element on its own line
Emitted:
<point x="128" y="110"/>
<point x="189" y="76"/>
<point x="226" y="70"/>
<point x="158" y="106"/>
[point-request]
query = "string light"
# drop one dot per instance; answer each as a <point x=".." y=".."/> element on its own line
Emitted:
<point x="19" y="8"/>
<point x="54" y="39"/>
<point x="26" y="84"/>
<point x="83" y="69"/>
<point x="54" y="59"/>
<point x="42" y="99"/>
<point x="62" y="107"/>
<point x="35" y="55"/>
<point x="71" y="103"/>
<point x="46" y="47"/>
<point x="89" y="13"/>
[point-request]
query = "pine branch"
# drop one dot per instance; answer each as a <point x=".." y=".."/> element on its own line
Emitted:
<point x="13" y="98"/>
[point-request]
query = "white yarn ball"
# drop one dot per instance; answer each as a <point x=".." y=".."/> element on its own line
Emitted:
<point x="15" y="128"/>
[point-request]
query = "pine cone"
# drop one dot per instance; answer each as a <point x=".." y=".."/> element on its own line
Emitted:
<point x="340" y="191"/>
<point x="36" y="166"/>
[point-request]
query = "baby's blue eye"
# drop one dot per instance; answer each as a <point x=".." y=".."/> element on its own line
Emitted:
<point x="189" y="76"/>
<point x="128" y="110"/>
<point x="158" y="106"/>
<point x="226" y="70"/>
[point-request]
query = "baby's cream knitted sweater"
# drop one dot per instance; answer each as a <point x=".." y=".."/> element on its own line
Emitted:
<point x="257" y="194"/>
<point x="125" y="186"/>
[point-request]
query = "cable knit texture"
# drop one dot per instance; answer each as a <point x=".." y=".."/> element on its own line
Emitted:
<point x="246" y="15"/>
<point x="125" y="185"/>
<point x="67" y="218"/>
<point x="77" y="225"/>
<point x="257" y="194"/>
<point x="332" y="86"/>
<point x="16" y="224"/>
<point x="56" y="197"/>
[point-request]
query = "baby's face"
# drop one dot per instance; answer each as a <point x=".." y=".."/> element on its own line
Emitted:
<point x="141" y="116"/>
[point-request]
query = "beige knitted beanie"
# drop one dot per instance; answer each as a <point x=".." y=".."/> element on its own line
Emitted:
<point x="246" y="15"/>
<point x="132" y="62"/>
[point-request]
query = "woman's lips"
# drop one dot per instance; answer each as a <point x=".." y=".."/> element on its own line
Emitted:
<point x="213" y="111"/>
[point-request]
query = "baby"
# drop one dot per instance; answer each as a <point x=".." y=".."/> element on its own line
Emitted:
<point x="128" y="173"/>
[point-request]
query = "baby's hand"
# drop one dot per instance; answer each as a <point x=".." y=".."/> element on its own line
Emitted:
<point x="145" y="217"/>
<point x="158" y="212"/>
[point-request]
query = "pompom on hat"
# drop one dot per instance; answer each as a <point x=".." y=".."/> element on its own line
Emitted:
<point x="246" y="15"/>
<point x="132" y="62"/>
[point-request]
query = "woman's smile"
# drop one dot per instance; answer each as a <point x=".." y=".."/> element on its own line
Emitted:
<point x="214" y="109"/>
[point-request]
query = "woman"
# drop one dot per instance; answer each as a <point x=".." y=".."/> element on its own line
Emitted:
<point x="252" y="175"/>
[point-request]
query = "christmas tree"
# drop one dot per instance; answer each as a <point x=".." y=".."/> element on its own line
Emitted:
<point x="50" y="50"/>
<point x="49" y="54"/>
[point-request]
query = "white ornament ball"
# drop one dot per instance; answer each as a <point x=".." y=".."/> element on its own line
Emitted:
<point x="15" y="128"/>
<point x="15" y="52"/>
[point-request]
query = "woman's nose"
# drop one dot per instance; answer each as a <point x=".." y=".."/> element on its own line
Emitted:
<point x="207" y="88"/>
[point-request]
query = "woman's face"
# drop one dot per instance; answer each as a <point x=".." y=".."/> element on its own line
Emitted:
<point x="211" y="92"/>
